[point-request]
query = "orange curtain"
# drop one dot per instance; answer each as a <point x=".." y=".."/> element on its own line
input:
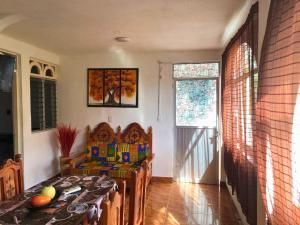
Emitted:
<point x="239" y="85"/>
<point x="278" y="114"/>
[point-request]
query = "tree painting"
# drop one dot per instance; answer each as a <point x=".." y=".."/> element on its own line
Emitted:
<point x="128" y="83"/>
<point x="112" y="87"/>
<point x="96" y="84"/>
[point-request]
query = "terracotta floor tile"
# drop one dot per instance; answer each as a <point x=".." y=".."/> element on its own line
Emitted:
<point x="176" y="218"/>
<point x="204" y="219"/>
<point x="161" y="212"/>
<point x="189" y="204"/>
<point x="154" y="220"/>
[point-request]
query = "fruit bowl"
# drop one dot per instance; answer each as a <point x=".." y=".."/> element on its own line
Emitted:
<point x="47" y="196"/>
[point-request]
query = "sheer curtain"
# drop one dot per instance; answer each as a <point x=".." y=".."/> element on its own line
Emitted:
<point x="239" y="82"/>
<point x="278" y="114"/>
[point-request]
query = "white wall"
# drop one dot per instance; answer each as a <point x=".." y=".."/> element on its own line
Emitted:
<point x="73" y="94"/>
<point x="38" y="149"/>
<point x="236" y="21"/>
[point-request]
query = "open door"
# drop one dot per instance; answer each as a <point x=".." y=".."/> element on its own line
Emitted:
<point x="196" y="94"/>
<point x="7" y="70"/>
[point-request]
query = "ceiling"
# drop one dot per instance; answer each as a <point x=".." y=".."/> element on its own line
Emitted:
<point x="81" y="26"/>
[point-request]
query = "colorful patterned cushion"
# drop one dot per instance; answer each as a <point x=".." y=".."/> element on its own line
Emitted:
<point x="111" y="152"/>
<point x="142" y="151"/>
<point x="113" y="160"/>
<point x="113" y="169"/>
<point x="101" y="152"/>
<point x="131" y="153"/>
<point x="123" y="154"/>
<point x="134" y="153"/>
<point x="88" y="150"/>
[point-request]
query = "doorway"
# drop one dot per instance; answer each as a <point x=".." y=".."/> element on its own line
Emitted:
<point x="196" y="111"/>
<point x="7" y="71"/>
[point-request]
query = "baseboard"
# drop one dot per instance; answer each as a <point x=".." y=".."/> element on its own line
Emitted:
<point x="223" y="184"/>
<point x="241" y="216"/>
<point x="162" y="179"/>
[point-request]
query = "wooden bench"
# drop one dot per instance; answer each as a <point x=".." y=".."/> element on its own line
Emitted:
<point x="137" y="178"/>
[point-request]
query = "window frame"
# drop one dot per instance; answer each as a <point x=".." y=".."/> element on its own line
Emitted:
<point x="218" y="83"/>
<point x="204" y="62"/>
<point x="16" y="99"/>
<point x="43" y="78"/>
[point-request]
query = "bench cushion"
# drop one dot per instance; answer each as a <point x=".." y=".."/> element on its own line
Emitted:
<point x="123" y="153"/>
<point x="112" y="169"/>
<point x="98" y="151"/>
<point x="131" y="153"/>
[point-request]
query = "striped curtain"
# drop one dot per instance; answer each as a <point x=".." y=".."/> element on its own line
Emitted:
<point x="239" y="82"/>
<point x="278" y="114"/>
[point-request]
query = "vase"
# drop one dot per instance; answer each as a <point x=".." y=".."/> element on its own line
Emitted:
<point x="65" y="165"/>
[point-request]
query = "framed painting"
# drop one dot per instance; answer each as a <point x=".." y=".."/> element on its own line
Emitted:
<point x="112" y="87"/>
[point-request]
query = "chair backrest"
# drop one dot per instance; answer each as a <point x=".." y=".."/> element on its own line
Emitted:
<point x="136" y="144"/>
<point x="11" y="178"/>
<point x="113" y="208"/>
<point x="131" y="146"/>
<point x="138" y="197"/>
<point x="102" y="143"/>
<point x="135" y="134"/>
<point x="103" y="133"/>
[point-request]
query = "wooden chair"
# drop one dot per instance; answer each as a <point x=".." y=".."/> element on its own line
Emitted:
<point x="113" y="208"/>
<point x="11" y="178"/>
<point x="137" y="197"/>
<point x="135" y="134"/>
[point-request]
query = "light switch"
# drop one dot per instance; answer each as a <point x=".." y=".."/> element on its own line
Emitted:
<point x="109" y="119"/>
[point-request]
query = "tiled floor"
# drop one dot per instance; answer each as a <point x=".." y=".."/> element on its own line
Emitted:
<point x="184" y="203"/>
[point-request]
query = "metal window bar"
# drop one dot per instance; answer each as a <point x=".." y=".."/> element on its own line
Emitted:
<point x="43" y="104"/>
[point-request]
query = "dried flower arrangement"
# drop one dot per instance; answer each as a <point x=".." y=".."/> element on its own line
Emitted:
<point x="66" y="137"/>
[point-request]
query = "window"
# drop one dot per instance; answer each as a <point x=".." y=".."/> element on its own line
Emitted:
<point x="43" y="98"/>
<point x="239" y="81"/>
<point x="196" y="103"/>
<point x="196" y="70"/>
<point x="196" y="94"/>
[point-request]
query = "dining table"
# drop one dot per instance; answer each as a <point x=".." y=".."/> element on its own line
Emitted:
<point x="80" y="207"/>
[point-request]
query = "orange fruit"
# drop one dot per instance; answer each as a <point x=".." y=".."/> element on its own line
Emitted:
<point x="40" y="200"/>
